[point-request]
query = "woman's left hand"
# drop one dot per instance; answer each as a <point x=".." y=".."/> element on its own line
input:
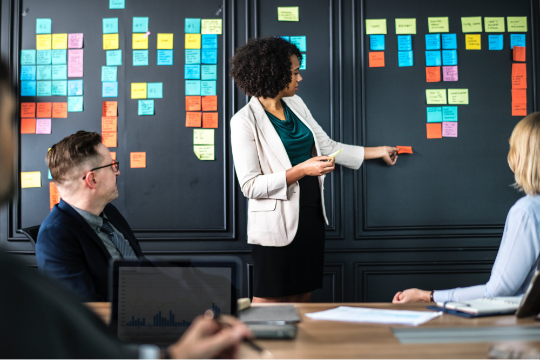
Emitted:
<point x="389" y="154"/>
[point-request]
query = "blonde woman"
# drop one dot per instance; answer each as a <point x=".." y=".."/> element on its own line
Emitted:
<point x="517" y="259"/>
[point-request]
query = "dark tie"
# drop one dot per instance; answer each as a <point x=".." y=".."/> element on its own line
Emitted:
<point x="121" y="245"/>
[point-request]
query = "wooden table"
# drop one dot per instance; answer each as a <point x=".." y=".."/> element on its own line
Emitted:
<point x="328" y="339"/>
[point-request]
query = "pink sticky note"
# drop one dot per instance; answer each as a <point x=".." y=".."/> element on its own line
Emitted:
<point x="75" y="41"/>
<point x="450" y="73"/>
<point x="43" y="126"/>
<point x="449" y="129"/>
<point x="75" y="63"/>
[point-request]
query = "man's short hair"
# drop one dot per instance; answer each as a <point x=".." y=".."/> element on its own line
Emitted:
<point x="71" y="152"/>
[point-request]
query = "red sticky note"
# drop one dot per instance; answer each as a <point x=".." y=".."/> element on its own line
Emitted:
<point x="137" y="159"/>
<point x="376" y="59"/>
<point x="209" y="103"/>
<point x="434" y="130"/>
<point x="193" y="103"/>
<point x="44" y="110"/>
<point x="110" y="108"/>
<point x="193" y="119"/>
<point x="404" y="149"/>
<point x="28" y="126"/>
<point x="59" y="110"/>
<point x="519" y="109"/>
<point x="519" y="53"/>
<point x="108" y="124"/>
<point x="210" y="120"/>
<point x="113" y="155"/>
<point x="109" y="139"/>
<point x="54" y="195"/>
<point x="433" y="73"/>
<point x="28" y="110"/>
<point x="519" y="76"/>
<point x="519" y="96"/>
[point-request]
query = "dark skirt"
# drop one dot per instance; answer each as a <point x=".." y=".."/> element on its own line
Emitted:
<point x="298" y="267"/>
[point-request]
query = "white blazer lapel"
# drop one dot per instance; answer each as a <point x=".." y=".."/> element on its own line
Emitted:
<point x="291" y="106"/>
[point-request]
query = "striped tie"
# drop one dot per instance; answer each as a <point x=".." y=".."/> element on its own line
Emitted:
<point x="121" y="245"/>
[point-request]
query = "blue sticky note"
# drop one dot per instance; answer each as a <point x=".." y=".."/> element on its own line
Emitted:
<point x="75" y="87"/>
<point x="209" y="72"/>
<point x="285" y="38"/>
<point x="192" y="72"/>
<point x="117" y="4"/>
<point x="433" y="41"/>
<point x="50" y="176"/>
<point x="209" y="56"/>
<point x="28" y="88"/>
<point x="449" y="41"/>
<point x="299" y="41"/>
<point x="405" y="58"/>
<point x="44" y="72"/>
<point x="140" y="57"/>
<point x="109" y="73"/>
<point x="59" y="57"/>
<point x="114" y="57"/>
<point x="193" y="56"/>
<point x="110" y="25"/>
<point x="209" y="41"/>
<point x="517" y="40"/>
<point x="44" y="88"/>
<point x="376" y="42"/>
<point x="208" y="88"/>
<point x="449" y="57"/>
<point x="75" y="103"/>
<point x="146" y="107"/>
<point x="433" y="58"/>
<point x="164" y="57"/>
<point x="28" y="72"/>
<point x="154" y="90"/>
<point x="449" y="113"/>
<point x="59" y="72"/>
<point x="192" y="26"/>
<point x="303" y="63"/>
<point x="109" y="89"/>
<point x="434" y="114"/>
<point x="59" y="88"/>
<point x="140" y="24"/>
<point x="44" y="57"/>
<point x="193" y="87"/>
<point x="404" y="42"/>
<point x="495" y="42"/>
<point x="43" y="26"/>
<point x="28" y="57"/>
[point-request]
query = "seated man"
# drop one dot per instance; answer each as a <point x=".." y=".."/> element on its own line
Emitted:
<point x="84" y="231"/>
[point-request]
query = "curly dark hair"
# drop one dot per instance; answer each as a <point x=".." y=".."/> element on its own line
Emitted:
<point x="262" y="67"/>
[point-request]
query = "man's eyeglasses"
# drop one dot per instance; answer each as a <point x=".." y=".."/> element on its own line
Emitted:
<point x="115" y="166"/>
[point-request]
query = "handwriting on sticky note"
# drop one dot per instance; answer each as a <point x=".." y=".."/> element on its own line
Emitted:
<point x="450" y="73"/>
<point x="193" y="119"/>
<point x="449" y="113"/>
<point x="436" y="96"/>
<point x="434" y="130"/>
<point x="519" y="53"/>
<point x="110" y="42"/>
<point x="75" y="41"/>
<point x="110" y="108"/>
<point x="438" y="24"/>
<point x="519" y="109"/>
<point x="434" y="114"/>
<point x="30" y="179"/>
<point x="193" y="41"/>
<point x="109" y="139"/>
<point x="496" y="42"/>
<point x="211" y="26"/>
<point x="109" y="124"/>
<point x="145" y="107"/>
<point x="458" y="96"/>
<point x="433" y="73"/>
<point x="203" y="137"/>
<point x="43" y="26"/>
<point x="210" y="120"/>
<point x="137" y="159"/>
<point x="519" y="76"/>
<point x="75" y="63"/>
<point x="406" y="26"/>
<point x="519" y="96"/>
<point x="138" y="90"/>
<point x="140" y="42"/>
<point x="209" y="103"/>
<point x="471" y="24"/>
<point x="59" y="41"/>
<point x="59" y="110"/>
<point x="472" y="42"/>
<point x="204" y="152"/>
<point x="44" y="110"/>
<point x="376" y="59"/>
<point x="517" y="23"/>
<point x="449" y="129"/>
<point x="54" y="195"/>
<point x="288" y="13"/>
<point x="494" y="24"/>
<point x="375" y="26"/>
<point x="193" y="103"/>
<point x="43" y="126"/>
<point x="28" y="126"/>
<point x="28" y="110"/>
<point x="43" y="42"/>
<point x="404" y="149"/>
<point x="517" y="40"/>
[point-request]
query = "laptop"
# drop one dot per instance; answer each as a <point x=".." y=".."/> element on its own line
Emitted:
<point x="154" y="302"/>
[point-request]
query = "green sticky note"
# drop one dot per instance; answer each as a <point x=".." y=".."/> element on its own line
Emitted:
<point x="114" y="57"/>
<point x="154" y="90"/>
<point x="59" y="57"/>
<point x="288" y="13"/>
<point x="471" y="24"/>
<point x="494" y="24"/>
<point x="140" y="57"/>
<point x="193" y="57"/>
<point x="117" y="4"/>
<point x="436" y="96"/>
<point x="438" y="24"/>
<point x="208" y="72"/>
<point x="140" y="24"/>
<point x="75" y="103"/>
<point x="458" y="96"/>
<point x="44" y="88"/>
<point x="375" y="26"/>
<point x="109" y="73"/>
<point x="146" y="107"/>
<point x="44" y="57"/>
<point x="28" y="57"/>
<point x="517" y="23"/>
<point x="406" y="26"/>
<point x="204" y="152"/>
<point x="43" y="26"/>
<point x="110" y="25"/>
<point x="59" y="88"/>
<point x="44" y="72"/>
<point x="203" y="136"/>
<point x="59" y="72"/>
<point x="192" y="26"/>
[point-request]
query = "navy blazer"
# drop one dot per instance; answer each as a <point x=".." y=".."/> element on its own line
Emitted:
<point x="69" y="250"/>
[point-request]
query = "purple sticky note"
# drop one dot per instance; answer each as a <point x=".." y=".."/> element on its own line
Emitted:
<point x="449" y="129"/>
<point x="75" y="63"/>
<point x="43" y="126"/>
<point x="450" y="73"/>
<point x="75" y="41"/>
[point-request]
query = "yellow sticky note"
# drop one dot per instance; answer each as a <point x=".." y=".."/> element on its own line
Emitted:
<point x="517" y="23"/>
<point x="472" y="42"/>
<point x="375" y="26"/>
<point x="438" y="24"/>
<point x="211" y="26"/>
<point x="193" y="41"/>
<point x="406" y="26"/>
<point x="43" y="42"/>
<point x="59" y="41"/>
<point x="110" y="42"/>
<point x="288" y="13"/>
<point x="165" y="41"/>
<point x="204" y="152"/>
<point x="472" y="24"/>
<point x="494" y="24"/>
<point x="138" y="90"/>
<point x="436" y="96"/>
<point x="458" y="96"/>
<point x="203" y="136"/>
<point x="30" y="179"/>
<point x="140" y="42"/>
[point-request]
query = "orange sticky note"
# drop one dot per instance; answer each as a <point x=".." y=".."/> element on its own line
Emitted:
<point x="376" y="59"/>
<point x="519" y="76"/>
<point x="137" y="159"/>
<point x="44" y="110"/>
<point x="109" y="139"/>
<point x="54" y="195"/>
<point x="519" y="109"/>
<point x="59" y="110"/>
<point x="108" y="124"/>
<point x="28" y="110"/>
<point x="404" y="149"/>
<point x="110" y="108"/>
<point x="519" y="53"/>
<point x="28" y="126"/>
<point x="433" y="73"/>
<point x="434" y="130"/>
<point x="113" y="155"/>
<point x="210" y="120"/>
<point x="519" y="96"/>
<point x="193" y="103"/>
<point x="193" y="119"/>
<point x="209" y="103"/>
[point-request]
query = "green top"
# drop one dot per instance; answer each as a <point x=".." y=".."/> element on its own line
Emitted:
<point x="295" y="135"/>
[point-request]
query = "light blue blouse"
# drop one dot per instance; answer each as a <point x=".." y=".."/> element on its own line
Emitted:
<point x="516" y="260"/>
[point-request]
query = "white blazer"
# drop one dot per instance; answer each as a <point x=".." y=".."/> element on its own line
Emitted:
<point x="260" y="160"/>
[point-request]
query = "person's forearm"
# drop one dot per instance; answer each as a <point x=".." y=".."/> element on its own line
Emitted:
<point x="373" y="152"/>
<point x="294" y="174"/>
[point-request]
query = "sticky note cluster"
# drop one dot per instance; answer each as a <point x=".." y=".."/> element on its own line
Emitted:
<point x="300" y="42"/>
<point x="109" y="124"/>
<point x="113" y="56"/>
<point x="145" y="91"/>
<point x="519" y="81"/>
<point x="442" y="120"/>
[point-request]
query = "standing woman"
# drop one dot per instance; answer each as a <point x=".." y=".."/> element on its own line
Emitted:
<point x="280" y="155"/>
